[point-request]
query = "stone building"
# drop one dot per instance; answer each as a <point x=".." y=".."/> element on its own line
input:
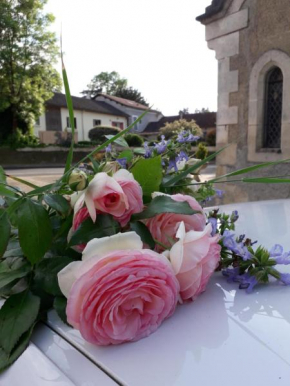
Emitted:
<point x="251" y="39"/>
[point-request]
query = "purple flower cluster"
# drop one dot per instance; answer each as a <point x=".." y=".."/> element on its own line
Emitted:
<point x="148" y="150"/>
<point x="161" y="147"/>
<point x="238" y="247"/>
<point x="246" y="280"/>
<point x="278" y="254"/>
<point x="213" y="222"/>
<point x="122" y="162"/>
<point x="187" y="137"/>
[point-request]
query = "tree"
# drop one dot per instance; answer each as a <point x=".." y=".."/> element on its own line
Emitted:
<point x="184" y="111"/>
<point x="202" y="110"/>
<point x="106" y="82"/>
<point x="132" y="94"/>
<point x="27" y="54"/>
<point x="111" y="83"/>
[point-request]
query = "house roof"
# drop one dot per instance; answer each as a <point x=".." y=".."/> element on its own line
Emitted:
<point x="125" y="102"/>
<point x="59" y="100"/>
<point x="204" y="121"/>
<point x="215" y="7"/>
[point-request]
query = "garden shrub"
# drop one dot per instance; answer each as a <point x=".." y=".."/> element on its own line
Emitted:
<point x="98" y="133"/>
<point x="202" y="151"/>
<point x="134" y="140"/>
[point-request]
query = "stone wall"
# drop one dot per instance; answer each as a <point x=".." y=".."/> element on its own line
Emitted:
<point x="250" y="31"/>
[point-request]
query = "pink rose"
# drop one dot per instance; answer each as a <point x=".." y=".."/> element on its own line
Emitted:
<point x="163" y="227"/>
<point x="132" y="191"/>
<point x="194" y="258"/>
<point x="106" y="195"/>
<point x="119" y="292"/>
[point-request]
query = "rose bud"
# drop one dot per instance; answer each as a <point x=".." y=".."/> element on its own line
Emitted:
<point x="78" y="180"/>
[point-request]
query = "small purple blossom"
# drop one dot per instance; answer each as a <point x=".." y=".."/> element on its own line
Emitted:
<point x="181" y="138"/>
<point x="192" y="138"/>
<point x="148" y="151"/>
<point x="161" y="146"/>
<point x="172" y="165"/>
<point x="247" y="282"/>
<point x="219" y="193"/>
<point x="109" y="148"/>
<point x="278" y="254"/>
<point x="234" y="216"/>
<point x="213" y="222"/>
<point x="237" y="247"/>
<point x="181" y="156"/>
<point x="122" y="162"/>
<point x="285" y="278"/>
<point x="231" y="274"/>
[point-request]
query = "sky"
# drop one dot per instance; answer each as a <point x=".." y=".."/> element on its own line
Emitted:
<point x="156" y="44"/>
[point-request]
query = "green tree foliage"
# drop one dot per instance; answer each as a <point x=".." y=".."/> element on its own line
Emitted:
<point x="27" y="54"/>
<point x="105" y="82"/>
<point x="202" y="110"/>
<point x="111" y="83"/>
<point x="132" y="94"/>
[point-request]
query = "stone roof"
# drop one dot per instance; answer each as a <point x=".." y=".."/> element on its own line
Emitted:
<point x="59" y="100"/>
<point x="204" y="121"/>
<point x="215" y="7"/>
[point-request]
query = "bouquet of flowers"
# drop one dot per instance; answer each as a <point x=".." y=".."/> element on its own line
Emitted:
<point x="114" y="245"/>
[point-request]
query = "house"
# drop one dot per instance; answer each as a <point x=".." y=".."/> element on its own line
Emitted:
<point x="87" y="114"/>
<point x="131" y="109"/>
<point x="251" y="39"/>
<point x="206" y="121"/>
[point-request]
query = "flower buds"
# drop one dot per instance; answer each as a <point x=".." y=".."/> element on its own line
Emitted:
<point x="78" y="180"/>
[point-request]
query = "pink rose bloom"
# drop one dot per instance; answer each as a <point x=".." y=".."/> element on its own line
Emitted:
<point x="105" y="194"/>
<point x="194" y="258"/>
<point x="119" y="292"/>
<point x="132" y="191"/>
<point x="163" y="227"/>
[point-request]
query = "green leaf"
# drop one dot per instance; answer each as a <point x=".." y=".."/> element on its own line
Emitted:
<point x="148" y="172"/>
<point x="5" y="229"/>
<point x="5" y="360"/>
<point x="46" y="274"/>
<point x="104" y="226"/>
<point x="24" y="182"/>
<point x="128" y="154"/>
<point x="266" y="180"/>
<point x="249" y="169"/>
<point x="17" y="316"/>
<point x="59" y="304"/>
<point x="192" y="168"/>
<point x="41" y="190"/>
<point x="7" y="277"/>
<point x="95" y="164"/>
<point x="119" y="141"/>
<point x="71" y="116"/>
<point x="6" y="191"/>
<point x="164" y="204"/>
<point x="35" y="231"/>
<point x="58" y="203"/>
<point x="14" y="252"/>
<point x="141" y="229"/>
<point x="2" y="175"/>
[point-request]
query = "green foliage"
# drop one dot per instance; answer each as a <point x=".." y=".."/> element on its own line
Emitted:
<point x="148" y="172"/>
<point x="201" y="152"/>
<point x="172" y="129"/>
<point x="19" y="140"/>
<point x="58" y="203"/>
<point x="46" y="274"/>
<point x="88" y="230"/>
<point x="141" y="229"/>
<point x="210" y="137"/>
<point x="105" y="82"/>
<point x="98" y="133"/>
<point x="131" y="94"/>
<point x="59" y="304"/>
<point x="35" y="232"/>
<point x="28" y="53"/>
<point x="134" y="140"/>
<point x="5" y="229"/>
<point x="10" y="274"/>
<point x="17" y="315"/>
<point x="164" y="204"/>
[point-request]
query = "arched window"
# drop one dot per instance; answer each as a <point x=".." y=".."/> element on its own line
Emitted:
<point x="273" y="109"/>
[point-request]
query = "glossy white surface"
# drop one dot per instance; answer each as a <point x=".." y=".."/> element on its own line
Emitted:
<point x="34" y="369"/>
<point x="76" y="366"/>
<point x="225" y="337"/>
